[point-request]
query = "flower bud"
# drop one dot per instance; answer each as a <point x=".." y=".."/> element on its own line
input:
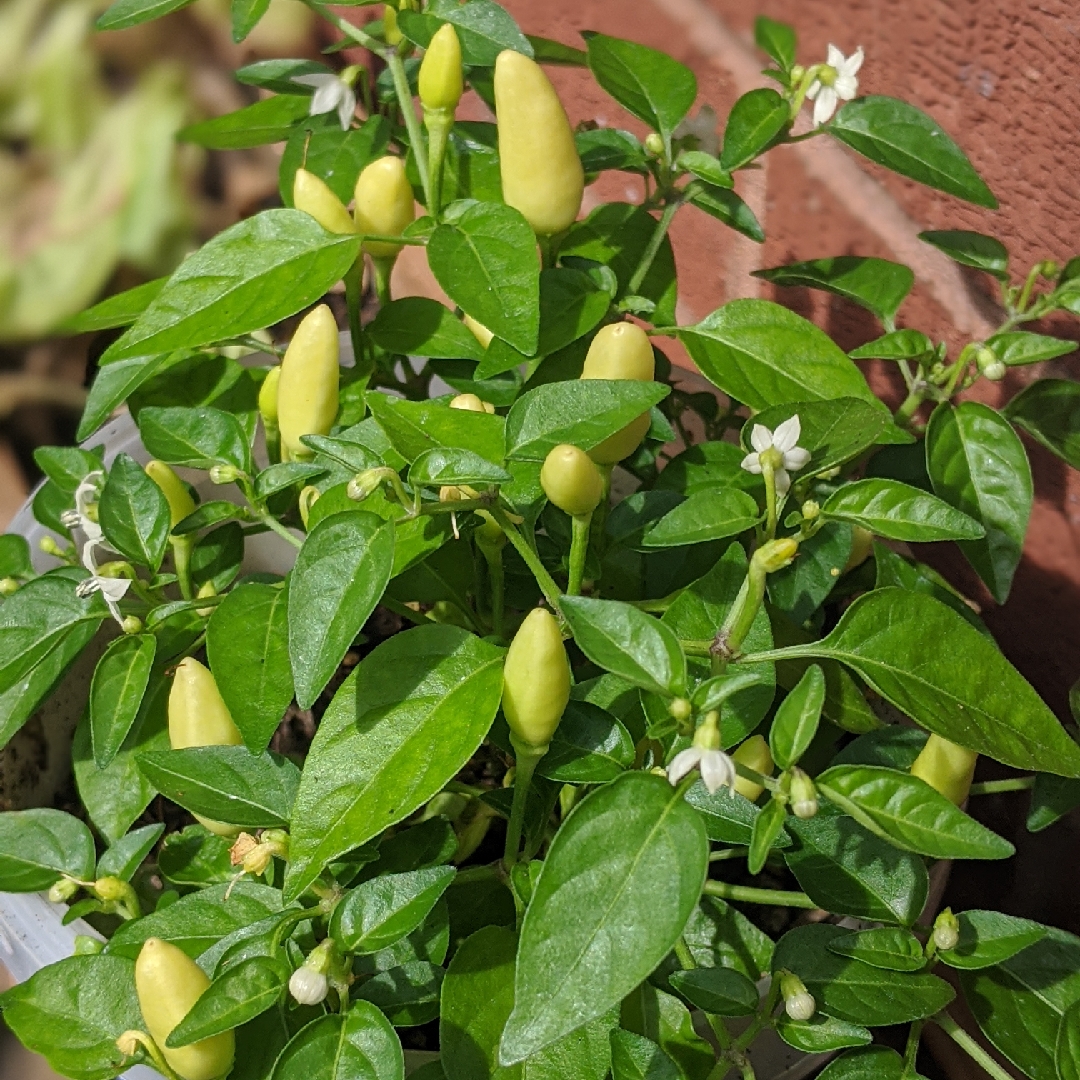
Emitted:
<point x="799" y="1003"/>
<point x="946" y="767"/>
<point x="707" y="735"/>
<point x="803" y="794"/>
<point x="132" y="624"/>
<point x="181" y="504"/>
<point x="130" y="1042"/>
<point x="478" y="330"/>
<point x="8" y="585"/>
<point x="754" y="754"/>
<point x="308" y="386"/>
<point x="571" y="480"/>
<point x="88" y="946"/>
<point x="309" y="496"/>
<point x="308" y="987"/>
<point x="946" y="930"/>
<point x="810" y="510"/>
<point x="168" y="983"/>
<point x="63" y="890"/>
<point x="680" y="709"/>
<point x="776" y="554"/>
<point x="363" y="484"/>
<point x="470" y="402"/>
<point x="49" y="546"/>
<point x="384" y="204"/>
<point x="391" y="34"/>
<point x="206" y="589"/>
<point x="621" y="351"/>
<point x="111" y="889"/>
<point x="224" y="474"/>
<point x="241" y="848"/>
<point x="314" y="197"/>
<point x="441" y="78"/>
<point x="654" y="145"/>
<point x="542" y="177"/>
<point x="536" y="679"/>
<point x="268" y="393"/>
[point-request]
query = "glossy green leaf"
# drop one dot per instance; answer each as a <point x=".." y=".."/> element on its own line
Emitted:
<point x="896" y="571"/>
<point x="407" y="995"/>
<point x="415" y="426"/>
<point x="796" y="721"/>
<point x="195" y="857"/>
<point x="197" y="438"/>
<point x="117" y="380"/>
<point x="971" y="249"/>
<point x="1067" y="1050"/>
<point x="15" y="556"/>
<point x="486" y="261"/>
<point x="1016" y="347"/>
<point x="896" y="345"/>
<point x="1051" y="799"/>
<point x="763" y="354"/>
<point x="417" y="326"/>
<point x="990" y="937"/>
<point x="718" y="935"/>
<point x="245" y="16"/>
<point x="335" y="156"/>
<point x="729" y="817"/>
<point x="646" y="82"/>
<point x="581" y="411"/>
<point x="726" y="206"/>
<point x="768" y="825"/>
<point x="900" y="512"/>
<point x="755" y="120"/>
<point x="216" y="557"/>
<point x="278" y="75"/>
<point x="238" y="995"/>
<point x="718" y="990"/>
<point x="66" y="466"/>
<point x="247" y="641"/>
<point x="868" y="1063"/>
<point x="851" y="990"/>
<point x="283" y="475"/>
<point x="73" y="1011"/>
<point x="846" y="869"/>
<point x="359" y="1045"/>
<point x="339" y="576"/>
<point x="972" y="695"/>
<point x="978" y="464"/>
<point x="38" y="846"/>
<point x="888" y="947"/>
<point x="248" y="277"/>
<point x="618" y="885"/>
<point x="627" y="642"/>
<point x="484" y="31"/>
<point x="124" y="857"/>
<point x="1049" y="411"/>
<point x="878" y="285"/>
<point x="589" y="747"/>
<point x="134" y="514"/>
<point x="116" y="692"/>
<point x="907" y="141"/>
<point x="802" y="587"/>
<point x="821" y="1033"/>
<point x="777" y="39"/>
<point x="712" y="514"/>
<point x="268" y="121"/>
<point x="209" y="513"/>
<point x="633" y="1057"/>
<point x="124" y="13"/>
<point x="397" y="730"/>
<point x="664" y="1019"/>
<point x="226" y="783"/>
<point x="451" y="465"/>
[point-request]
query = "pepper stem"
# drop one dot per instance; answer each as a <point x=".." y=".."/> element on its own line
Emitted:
<point x="526" y="758"/>
<point x="354" y="298"/>
<point x="438" y="123"/>
<point x="181" y="546"/>
<point x="579" y="548"/>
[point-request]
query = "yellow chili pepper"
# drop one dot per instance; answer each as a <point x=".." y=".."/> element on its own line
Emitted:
<point x="181" y="504"/>
<point x="308" y="385"/>
<point x="571" y="480"/>
<point x="536" y="680"/>
<point x="312" y="195"/>
<point x="862" y="543"/>
<point x="441" y="81"/>
<point x="946" y="767"/>
<point x="479" y="330"/>
<point x="541" y="172"/>
<point x="268" y="397"/>
<point x="471" y="403"/>
<point x="754" y="754"/>
<point x="621" y="351"/>
<point x="384" y="204"/>
<point x="168" y="983"/>
<point x="391" y="34"/>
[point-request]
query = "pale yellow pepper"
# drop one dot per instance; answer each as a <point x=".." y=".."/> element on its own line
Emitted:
<point x="536" y="680"/>
<point x="312" y="195"/>
<point x="946" y="767"/>
<point x="754" y="754"/>
<point x="384" y="204"/>
<point x="571" y="480"/>
<point x="307" y="398"/>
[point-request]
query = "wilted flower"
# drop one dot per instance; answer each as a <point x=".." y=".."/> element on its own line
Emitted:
<point x="331" y="92"/>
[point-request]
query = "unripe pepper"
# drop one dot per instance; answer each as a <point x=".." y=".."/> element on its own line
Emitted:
<point x="268" y="397"/>
<point x="621" y="351"/>
<point x="946" y="767"/>
<point x="168" y="983"/>
<point x="312" y="195"/>
<point x="754" y="754"/>
<point x="471" y="403"/>
<point x="441" y="80"/>
<point x="181" y="504"/>
<point x="541" y="172"/>
<point x="536" y="680"/>
<point x="384" y="204"/>
<point x="391" y="34"/>
<point x="571" y="480"/>
<point x="862" y="543"/>
<point x="478" y="330"/>
<point x="308" y="384"/>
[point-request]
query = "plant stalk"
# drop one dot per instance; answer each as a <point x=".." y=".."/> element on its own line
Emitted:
<point x="969" y="1046"/>
<point x="749" y="895"/>
<point x="526" y="758"/>
<point x="579" y="548"/>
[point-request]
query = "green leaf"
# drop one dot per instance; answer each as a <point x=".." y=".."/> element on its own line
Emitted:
<point x="664" y="1019"/>
<point x="618" y="885"/>
<point x="888" y="947"/>
<point x="633" y="1057"/>
<point x="248" y="277"/>
<point x="845" y="868"/>
<point x="399" y="728"/>
<point x="978" y="464"/>
<point x="278" y="74"/>
<point x="124" y="13"/>
<point x="15" y="556"/>
<point x="868" y="1063"/>
<point x="226" y="783"/>
<point x="1049" y="411"/>
<point x="217" y="556"/>
<point x="66" y="466"/>
<point x="209" y="513"/>
<point x="972" y="695"/>
<point x="381" y="911"/>
<point x="705" y="167"/>
<point x="117" y="380"/>
<point x="247" y="641"/>
<point x="72" y="1012"/>
<point x="706" y="515"/>
<point x="339" y="576"/>
<point x="647" y="83"/>
<point x="116" y="692"/>
<point x="777" y="39"/>
<point x="878" y="285"/>
<point x="38" y="846"/>
<point x="971" y="249"/>
<point x="408" y="994"/>
<point x="245" y="16"/>
<point x="988" y="938"/>
<point x="718" y="935"/>
<point x="851" y="990"/>
<point x="546" y="51"/>
<point x="486" y="261"/>
<point x="417" y="326"/>
<point x="900" y="512"/>
<point x="283" y="475"/>
<point x="729" y="817"/>
<point x="820" y="1033"/>
<point x="762" y="354"/>
<point x="415" y="426"/>
<point x="1051" y="799"/>
<point x="582" y="411"/>
<point x="768" y="825"/>
<point x="124" y="857"/>
<point x="485" y="29"/>
<point x="1020" y="1003"/>
<point x="754" y="121"/>
<point x="726" y="206"/>
<point x="119" y="310"/>
<point x="1018" y="347"/>
<point x="717" y="990"/>
<point x="195" y="857"/>
<point x="268" y="121"/>
<point x="896" y="345"/>
<point x="196" y="438"/>
<point x="907" y="141"/>
<point x="337" y="157"/>
<point x="238" y="995"/>
<point x="1067" y="1051"/>
<point x="450" y="465"/>
<point x="359" y="1045"/>
<point x="796" y="721"/>
<point x="627" y="642"/>
<point x="589" y="747"/>
<point x="609" y="148"/>
<point x="134" y="513"/>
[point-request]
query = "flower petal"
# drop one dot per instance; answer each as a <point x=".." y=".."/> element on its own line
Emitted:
<point x="761" y="438"/>
<point x="855" y="61"/>
<point x="114" y="589"/>
<point x="683" y="763"/>
<point x="846" y="87"/>
<point x="825" y="106"/>
<point x="717" y="770"/>
<point x="787" y="434"/>
<point x="317" y="80"/>
<point x="796" y="459"/>
<point x="834" y="57"/>
<point x="326" y="98"/>
<point x="752" y="463"/>
<point x="346" y="108"/>
<point x="815" y="89"/>
<point x="783" y="482"/>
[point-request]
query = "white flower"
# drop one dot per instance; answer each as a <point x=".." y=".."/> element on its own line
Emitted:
<point x="717" y="769"/>
<point x="86" y="495"/>
<point x="702" y="128"/>
<point x="781" y="446"/>
<point x="837" y="83"/>
<point x="308" y="987"/>
<point x="330" y="93"/>
<point x="112" y="589"/>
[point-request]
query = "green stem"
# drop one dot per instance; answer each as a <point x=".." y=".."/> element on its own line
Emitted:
<point x="684" y="955"/>
<point x="354" y="298"/>
<point x="769" y="476"/>
<point x="729" y="853"/>
<point x="182" y="546"/>
<point x="530" y="558"/>
<point x="749" y="895"/>
<point x="438" y="123"/>
<point x="412" y="123"/>
<point x="997" y="787"/>
<point x="912" y="1049"/>
<point x="908" y="408"/>
<point x="579" y="548"/>
<point x="657" y="238"/>
<point x="525" y="760"/>
<point x="384" y="267"/>
<point x="498" y="589"/>
<point x="1029" y="284"/>
<point x="969" y="1046"/>
<point x="762" y="1018"/>
<point x="274" y="525"/>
